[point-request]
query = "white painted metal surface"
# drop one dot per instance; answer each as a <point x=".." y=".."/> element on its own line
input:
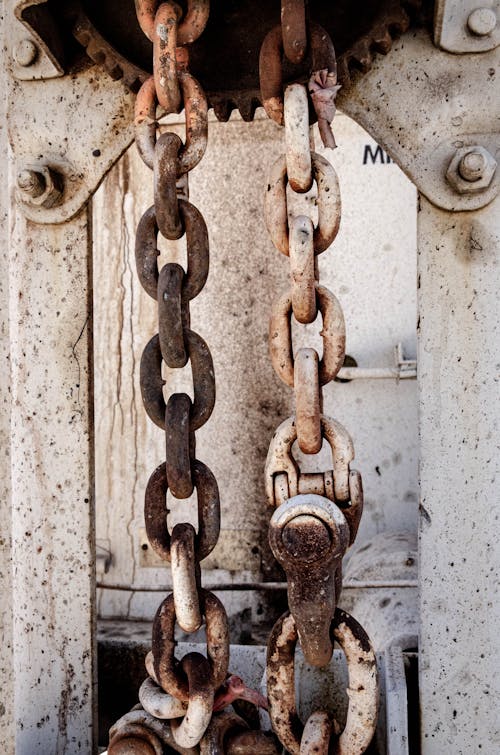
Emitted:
<point x="52" y="487"/>
<point x="458" y="357"/>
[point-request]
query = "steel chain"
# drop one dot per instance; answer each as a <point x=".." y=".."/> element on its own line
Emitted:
<point x="316" y="515"/>
<point x="182" y="691"/>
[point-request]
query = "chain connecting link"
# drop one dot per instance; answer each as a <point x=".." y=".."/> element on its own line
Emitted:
<point x="316" y="515"/>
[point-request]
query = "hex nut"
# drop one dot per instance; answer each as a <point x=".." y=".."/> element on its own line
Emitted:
<point x="471" y="169"/>
<point x="49" y="186"/>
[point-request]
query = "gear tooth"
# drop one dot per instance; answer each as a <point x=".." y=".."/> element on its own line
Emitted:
<point x="395" y="17"/>
<point x="247" y="106"/>
<point x="382" y="40"/>
<point x="222" y="108"/>
<point x="343" y="71"/>
<point x="362" y="56"/>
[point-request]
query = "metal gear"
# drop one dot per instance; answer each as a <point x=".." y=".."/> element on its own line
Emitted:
<point x="225" y="58"/>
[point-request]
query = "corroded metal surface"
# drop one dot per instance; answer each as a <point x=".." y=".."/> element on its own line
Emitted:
<point x="309" y="536"/>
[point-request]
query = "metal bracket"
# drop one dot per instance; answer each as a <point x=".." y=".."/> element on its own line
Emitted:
<point x="35" y="55"/>
<point x="462" y="26"/>
<point x="431" y="105"/>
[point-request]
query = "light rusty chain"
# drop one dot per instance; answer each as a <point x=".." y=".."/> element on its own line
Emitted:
<point x="328" y="201"/>
<point x="298" y="153"/>
<point x="363" y="684"/>
<point x="317" y="510"/>
<point x="303" y="270"/>
<point x="333" y="335"/>
<point x="307" y="401"/>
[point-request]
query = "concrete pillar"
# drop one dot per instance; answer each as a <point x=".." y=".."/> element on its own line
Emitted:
<point x="52" y="486"/>
<point x="458" y="358"/>
<point x="6" y="670"/>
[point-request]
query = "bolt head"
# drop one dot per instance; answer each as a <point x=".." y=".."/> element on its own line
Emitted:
<point x="40" y="186"/>
<point x="482" y="21"/>
<point x="471" y="169"/>
<point x="25" y="52"/>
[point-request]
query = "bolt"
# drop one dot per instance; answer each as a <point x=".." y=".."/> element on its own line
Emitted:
<point x="25" y="52"/>
<point x="471" y="169"/>
<point x="482" y="21"/>
<point x="306" y="537"/>
<point x="40" y="186"/>
<point x="31" y="182"/>
<point x="472" y="165"/>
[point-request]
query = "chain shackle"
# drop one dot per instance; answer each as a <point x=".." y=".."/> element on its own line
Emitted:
<point x="329" y="207"/>
<point x="362" y="690"/>
<point x="309" y="536"/>
<point x="280" y="459"/>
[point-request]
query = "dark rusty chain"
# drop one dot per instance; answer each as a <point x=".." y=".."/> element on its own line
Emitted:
<point x="178" y="697"/>
<point x="181" y="698"/>
<point x="316" y="516"/>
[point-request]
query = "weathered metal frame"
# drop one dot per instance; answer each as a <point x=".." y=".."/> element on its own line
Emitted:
<point x="457" y="274"/>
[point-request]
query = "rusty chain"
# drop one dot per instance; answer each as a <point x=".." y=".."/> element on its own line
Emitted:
<point x="316" y="515"/>
<point x="178" y="697"/>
